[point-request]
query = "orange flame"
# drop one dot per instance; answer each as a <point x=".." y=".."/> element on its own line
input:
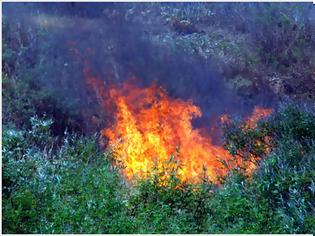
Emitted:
<point x="150" y="127"/>
<point x="250" y="122"/>
<point x="257" y="114"/>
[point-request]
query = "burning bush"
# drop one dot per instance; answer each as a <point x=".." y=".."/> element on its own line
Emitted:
<point x="247" y="141"/>
<point x="150" y="127"/>
<point x="45" y="192"/>
<point x="58" y="179"/>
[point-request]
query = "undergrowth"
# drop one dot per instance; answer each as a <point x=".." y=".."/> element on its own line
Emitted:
<point x="55" y="179"/>
<point x="71" y="186"/>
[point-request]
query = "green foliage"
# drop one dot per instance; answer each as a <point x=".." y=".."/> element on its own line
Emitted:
<point x="284" y="182"/>
<point x="161" y="204"/>
<point x="65" y="184"/>
<point x="24" y="98"/>
<point x="75" y="189"/>
<point x="294" y="123"/>
<point x="246" y="142"/>
<point x="287" y="176"/>
<point x="70" y="190"/>
<point x="236" y="209"/>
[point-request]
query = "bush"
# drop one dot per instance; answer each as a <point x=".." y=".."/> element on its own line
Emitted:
<point x="162" y="204"/>
<point x="55" y="180"/>
<point x="75" y="188"/>
<point x="284" y="182"/>
<point x="71" y="190"/>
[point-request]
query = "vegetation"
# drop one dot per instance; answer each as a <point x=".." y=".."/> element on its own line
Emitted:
<point x="72" y="187"/>
<point x="57" y="179"/>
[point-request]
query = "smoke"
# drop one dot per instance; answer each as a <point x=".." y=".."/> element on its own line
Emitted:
<point x="118" y="44"/>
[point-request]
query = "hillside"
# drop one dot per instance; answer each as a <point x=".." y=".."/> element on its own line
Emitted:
<point x="158" y="118"/>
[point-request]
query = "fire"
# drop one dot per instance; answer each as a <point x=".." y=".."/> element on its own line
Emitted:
<point x="150" y="127"/>
<point x="250" y="121"/>
<point x="257" y="114"/>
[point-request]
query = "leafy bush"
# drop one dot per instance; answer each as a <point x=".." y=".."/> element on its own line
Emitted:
<point x="76" y="189"/>
<point x="70" y="190"/>
<point x="284" y="183"/>
<point x="57" y="181"/>
<point x="162" y="204"/>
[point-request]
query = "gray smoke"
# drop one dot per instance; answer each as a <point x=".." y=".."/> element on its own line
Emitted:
<point x="118" y="44"/>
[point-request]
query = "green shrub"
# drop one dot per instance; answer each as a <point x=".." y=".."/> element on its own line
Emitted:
<point x="73" y="187"/>
<point x="284" y="182"/>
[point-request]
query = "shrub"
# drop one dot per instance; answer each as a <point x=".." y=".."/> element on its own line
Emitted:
<point x="284" y="181"/>
<point x="72" y="189"/>
<point x="75" y="189"/>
